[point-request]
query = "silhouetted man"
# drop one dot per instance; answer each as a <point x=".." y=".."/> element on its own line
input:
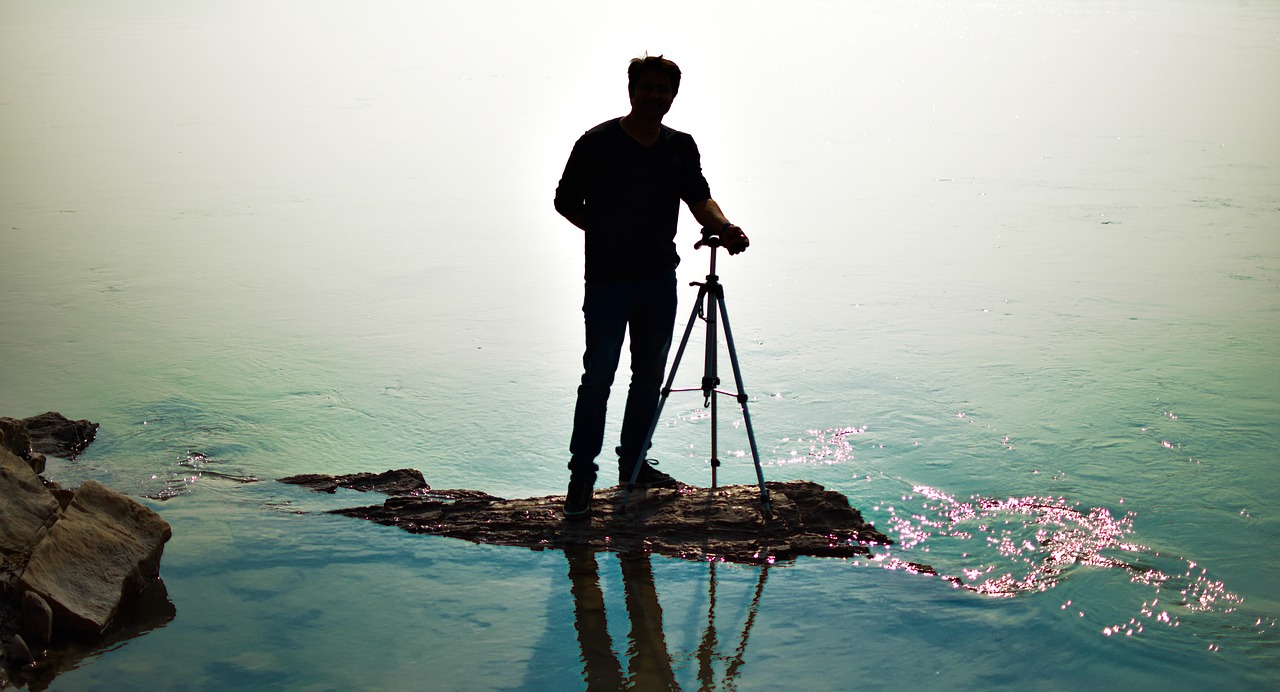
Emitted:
<point x="622" y="186"/>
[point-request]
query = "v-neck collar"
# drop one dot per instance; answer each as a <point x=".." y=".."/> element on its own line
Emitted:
<point x="662" y="131"/>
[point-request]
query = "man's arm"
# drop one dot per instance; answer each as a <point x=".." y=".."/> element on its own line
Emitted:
<point x="576" y="215"/>
<point x="709" y="215"/>
<point x="570" y="204"/>
<point x="570" y="192"/>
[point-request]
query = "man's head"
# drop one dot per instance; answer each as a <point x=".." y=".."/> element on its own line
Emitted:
<point x="652" y="63"/>
<point x="652" y="83"/>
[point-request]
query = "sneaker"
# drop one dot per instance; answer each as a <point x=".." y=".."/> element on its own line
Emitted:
<point x="577" y="502"/>
<point x="648" y="477"/>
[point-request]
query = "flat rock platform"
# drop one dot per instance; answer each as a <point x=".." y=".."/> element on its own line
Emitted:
<point x="687" y="522"/>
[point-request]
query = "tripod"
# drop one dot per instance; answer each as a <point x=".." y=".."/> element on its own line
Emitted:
<point x="709" y="304"/>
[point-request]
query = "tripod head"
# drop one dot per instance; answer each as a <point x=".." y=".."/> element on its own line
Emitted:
<point x="711" y="237"/>
<point x="728" y="236"/>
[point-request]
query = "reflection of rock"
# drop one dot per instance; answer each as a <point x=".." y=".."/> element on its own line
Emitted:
<point x="69" y="560"/>
<point x="151" y="609"/>
<point x="687" y="522"/>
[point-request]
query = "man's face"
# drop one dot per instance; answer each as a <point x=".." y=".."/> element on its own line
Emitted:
<point x="651" y="94"/>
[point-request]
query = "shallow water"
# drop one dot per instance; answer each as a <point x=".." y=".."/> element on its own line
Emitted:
<point x="1012" y="289"/>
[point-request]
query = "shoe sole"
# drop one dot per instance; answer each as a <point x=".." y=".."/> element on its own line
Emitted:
<point x="645" y="486"/>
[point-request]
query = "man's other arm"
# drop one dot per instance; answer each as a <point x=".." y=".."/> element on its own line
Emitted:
<point x="570" y="195"/>
<point x="709" y="215"/>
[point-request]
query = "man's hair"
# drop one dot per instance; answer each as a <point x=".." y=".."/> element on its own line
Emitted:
<point x="653" y="63"/>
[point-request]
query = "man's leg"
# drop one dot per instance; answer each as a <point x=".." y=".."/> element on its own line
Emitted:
<point x="652" y="322"/>
<point x="604" y="311"/>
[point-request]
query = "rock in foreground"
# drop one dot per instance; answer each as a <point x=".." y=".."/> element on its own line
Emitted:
<point x="723" y="523"/>
<point x="70" y="561"/>
<point x="105" y="549"/>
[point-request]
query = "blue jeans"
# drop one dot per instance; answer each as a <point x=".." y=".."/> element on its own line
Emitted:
<point x="647" y="309"/>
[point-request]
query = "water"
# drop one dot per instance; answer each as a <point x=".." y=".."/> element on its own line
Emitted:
<point x="1012" y="289"/>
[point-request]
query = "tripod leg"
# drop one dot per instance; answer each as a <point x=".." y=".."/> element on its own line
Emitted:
<point x="666" y="392"/>
<point x="711" y="374"/>
<point x="742" y="400"/>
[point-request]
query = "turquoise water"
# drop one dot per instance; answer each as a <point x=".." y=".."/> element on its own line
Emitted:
<point x="1012" y="289"/>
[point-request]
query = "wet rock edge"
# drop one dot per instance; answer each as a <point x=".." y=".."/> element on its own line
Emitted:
<point x="686" y="522"/>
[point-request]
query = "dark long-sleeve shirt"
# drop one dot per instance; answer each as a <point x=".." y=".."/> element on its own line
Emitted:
<point x="629" y="197"/>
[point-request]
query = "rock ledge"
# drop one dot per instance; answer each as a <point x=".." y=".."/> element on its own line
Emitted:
<point x="686" y="522"/>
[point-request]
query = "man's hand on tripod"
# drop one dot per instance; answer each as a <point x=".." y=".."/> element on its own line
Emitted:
<point x="708" y="214"/>
<point x="734" y="240"/>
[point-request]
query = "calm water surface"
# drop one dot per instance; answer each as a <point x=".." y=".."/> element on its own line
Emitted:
<point x="1013" y="288"/>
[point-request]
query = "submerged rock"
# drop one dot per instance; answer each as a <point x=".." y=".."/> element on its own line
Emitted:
<point x="396" y="482"/>
<point x="725" y="523"/>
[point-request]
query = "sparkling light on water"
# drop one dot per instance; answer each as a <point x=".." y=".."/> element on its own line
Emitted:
<point x="831" y="446"/>
<point x="1030" y="545"/>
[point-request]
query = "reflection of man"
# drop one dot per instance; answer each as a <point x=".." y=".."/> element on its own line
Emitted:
<point x="650" y="662"/>
<point x="622" y="186"/>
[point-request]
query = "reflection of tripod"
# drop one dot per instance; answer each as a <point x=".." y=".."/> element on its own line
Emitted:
<point x="650" y="660"/>
<point x="713" y="293"/>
